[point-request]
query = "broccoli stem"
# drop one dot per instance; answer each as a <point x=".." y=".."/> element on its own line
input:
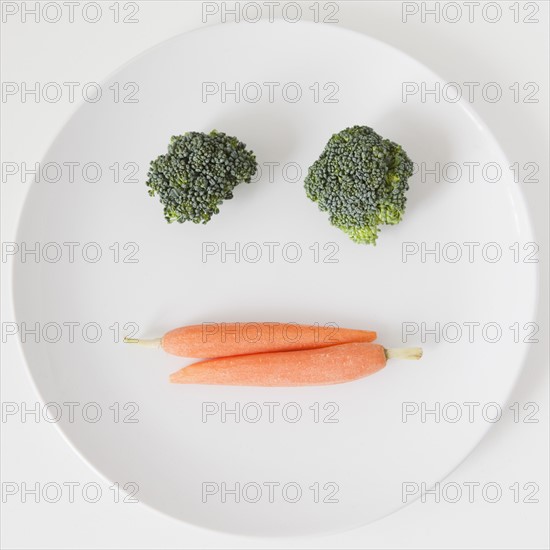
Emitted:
<point x="403" y="353"/>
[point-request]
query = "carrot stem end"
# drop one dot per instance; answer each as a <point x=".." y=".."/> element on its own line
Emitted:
<point x="403" y="353"/>
<point x="154" y="343"/>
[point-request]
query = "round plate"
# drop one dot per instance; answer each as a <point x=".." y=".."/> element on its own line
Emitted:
<point x="262" y="470"/>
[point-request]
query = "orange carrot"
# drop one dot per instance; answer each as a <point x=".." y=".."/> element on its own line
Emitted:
<point x="225" y="339"/>
<point x="331" y="365"/>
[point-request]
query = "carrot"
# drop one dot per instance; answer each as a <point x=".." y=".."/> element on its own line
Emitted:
<point x="224" y="339"/>
<point x="331" y="365"/>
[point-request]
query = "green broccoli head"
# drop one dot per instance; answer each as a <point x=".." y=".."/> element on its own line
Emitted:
<point x="360" y="179"/>
<point x="198" y="173"/>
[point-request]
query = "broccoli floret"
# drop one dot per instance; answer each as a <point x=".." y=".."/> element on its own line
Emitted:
<point x="360" y="179"/>
<point x="198" y="173"/>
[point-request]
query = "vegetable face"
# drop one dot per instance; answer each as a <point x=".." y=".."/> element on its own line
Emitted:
<point x="360" y="179"/>
<point x="198" y="173"/>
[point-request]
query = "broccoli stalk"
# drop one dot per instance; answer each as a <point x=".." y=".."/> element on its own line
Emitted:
<point x="198" y="173"/>
<point x="360" y="179"/>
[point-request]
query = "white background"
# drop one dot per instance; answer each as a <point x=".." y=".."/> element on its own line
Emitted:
<point x="504" y="52"/>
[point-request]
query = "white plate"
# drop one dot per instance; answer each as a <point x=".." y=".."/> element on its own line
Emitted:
<point x="370" y="452"/>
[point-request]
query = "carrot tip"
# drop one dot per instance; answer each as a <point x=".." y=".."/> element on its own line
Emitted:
<point x="176" y="378"/>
